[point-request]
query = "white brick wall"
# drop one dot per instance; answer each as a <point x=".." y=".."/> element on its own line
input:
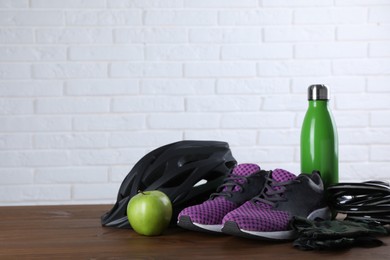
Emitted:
<point x="88" y="87"/>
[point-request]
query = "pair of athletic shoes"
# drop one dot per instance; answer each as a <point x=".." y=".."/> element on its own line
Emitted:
<point x="255" y="203"/>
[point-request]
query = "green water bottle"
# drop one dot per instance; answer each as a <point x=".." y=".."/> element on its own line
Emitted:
<point x="319" y="141"/>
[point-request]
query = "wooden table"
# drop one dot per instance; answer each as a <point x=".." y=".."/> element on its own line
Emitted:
<point x="63" y="232"/>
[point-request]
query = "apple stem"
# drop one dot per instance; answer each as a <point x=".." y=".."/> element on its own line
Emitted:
<point x="140" y="191"/>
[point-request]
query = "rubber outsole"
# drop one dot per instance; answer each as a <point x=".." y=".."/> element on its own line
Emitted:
<point x="185" y="222"/>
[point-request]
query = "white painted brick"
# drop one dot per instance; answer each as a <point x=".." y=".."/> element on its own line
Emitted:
<point x="262" y="155"/>
<point x="180" y="17"/>
<point x="225" y="35"/>
<point x="358" y="172"/>
<point x="97" y="157"/>
<point x="69" y="70"/>
<point x="181" y="52"/>
<point x="13" y="4"/>
<point x="70" y="140"/>
<point x="94" y="191"/>
<point x="380" y="153"/>
<point x="362" y="101"/>
<point x="177" y="86"/>
<point x="233" y="137"/>
<point x="158" y="35"/>
<point x="16" y="106"/>
<point x="253" y="86"/>
<point x="28" y="53"/>
<point x="31" y="18"/>
<point x="144" y="138"/>
<point x="349" y="119"/>
<point x="148" y="104"/>
<point x="363" y="32"/>
<point x="257" y="120"/>
<point x="331" y="50"/>
<point x="272" y="137"/>
<point x="31" y="158"/>
<point x="379" y="49"/>
<point x="355" y="153"/>
<point x="379" y="14"/>
<point x="28" y="88"/>
<point x="16" y="176"/>
<point x="101" y="87"/>
<point x="349" y="136"/>
<point x="15" y="141"/>
<point x="283" y="103"/>
<point x="361" y="2"/>
<point x="284" y="3"/>
<point x="256" y="17"/>
<point x="223" y="103"/>
<point x="145" y="3"/>
<point x="106" y="53"/>
<point x="183" y="121"/>
<point x="380" y="118"/>
<point x="330" y="15"/>
<point x="15" y="71"/>
<point x="35" y="193"/>
<point x="362" y="67"/>
<point x="118" y="173"/>
<point x="257" y="52"/>
<point x="342" y="84"/>
<point x="71" y="175"/>
<point x="378" y="84"/>
<point x="72" y="105"/>
<point x="108" y="122"/>
<point x="294" y="68"/>
<point x="16" y="35"/>
<point x="226" y="69"/>
<point x="220" y="3"/>
<point x="59" y="4"/>
<point x="74" y="35"/>
<point x="299" y="33"/>
<point x="103" y="18"/>
<point x="35" y="123"/>
<point x="149" y="69"/>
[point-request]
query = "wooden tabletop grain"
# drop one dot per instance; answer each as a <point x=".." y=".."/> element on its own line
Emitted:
<point x="64" y="232"/>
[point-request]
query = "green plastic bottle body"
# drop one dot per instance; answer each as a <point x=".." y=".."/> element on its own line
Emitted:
<point x="319" y="142"/>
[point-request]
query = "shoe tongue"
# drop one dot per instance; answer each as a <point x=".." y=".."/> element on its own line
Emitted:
<point x="281" y="175"/>
<point x="245" y="169"/>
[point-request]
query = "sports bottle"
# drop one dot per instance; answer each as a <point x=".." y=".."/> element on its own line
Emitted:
<point x="319" y="141"/>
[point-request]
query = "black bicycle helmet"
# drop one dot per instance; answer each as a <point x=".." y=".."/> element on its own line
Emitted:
<point x="186" y="171"/>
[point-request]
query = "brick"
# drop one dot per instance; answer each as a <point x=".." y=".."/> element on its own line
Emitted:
<point x="225" y="69"/>
<point x="59" y="4"/>
<point x="379" y="14"/>
<point x="265" y="154"/>
<point x="378" y="84"/>
<point x="257" y="120"/>
<point x="364" y="136"/>
<point x="148" y="104"/>
<point x="71" y="175"/>
<point x="233" y="137"/>
<point x="69" y="70"/>
<point x="111" y="122"/>
<point x="183" y="121"/>
<point x="379" y="49"/>
<point x="220" y="3"/>
<point x="355" y="153"/>
<point x="253" y="86"/>
<point x="362" y="101"/>
<point x="106" y="53"/>
<point x="145" y="3"/>
<point x="362" y="67"/>
<point x="104" y="18"/>
<point x="177" y="86"/>
<point x="380" y="153"/>
<point x="144" y="138"/>
<point x="70" y="140"/>
<point x="304" y="3"/>
<point x="16" y="176"/>
<point x="4" y="4"/>
<point x="238" y="35"/>
<point x="283" y="103"/>
<point x="308" y="33"/>
<point x="101" y="87"/>
<point x="32" y="158"/>
<point x="361" y="2"/>
<point x="105" y="157"/>
<point x="31" y="18"/>
<point x="180" y="17"/>
<point x="256" y="52"/>
<point x="158" y="35"/>
<point x="181" y="52"/>
<point x="356" y="172"/>
<point x="33" y="194"/>
<point x="363" y="32"/>
<point x="15" y="106"/>
<point x="16" y="35"/>
<point x="330" y="15"/>
<point x="341" y="84"/>
<point x="380" y="118"/>
<point x="28" y="88"/>
<point x="257" y="17"/>
<point x="15" y="141"/>
<point x="118" y="173"/>
<point x="294" y="68"/>
<point x="349" y="119"/>
<point x="94" y="192"/>
<point x="276" y="137"/>
<point x="74" y="35"/>
<point x="331" y="50"/>
<point x="223" y="103"/>
<point x="72" y="105"/>
<point x="27" y="53"/>
<point x="35" y="123"/>
<point x="150" y="69"/>
<point x="15" y="71"/>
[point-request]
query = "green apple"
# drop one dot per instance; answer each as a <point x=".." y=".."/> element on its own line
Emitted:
<point x="149" y="212"/>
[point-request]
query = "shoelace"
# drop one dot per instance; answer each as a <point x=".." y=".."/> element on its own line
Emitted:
<point x="273" y="192"/>
<point x="232" y="181"/>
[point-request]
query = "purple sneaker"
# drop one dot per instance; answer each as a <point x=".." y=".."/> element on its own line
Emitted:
<point x="267" y="216"/>
<point x="246" y="181"/>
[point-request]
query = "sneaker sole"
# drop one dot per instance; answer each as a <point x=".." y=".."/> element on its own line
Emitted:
<point x="185" y="222"/>
<point x="231" y="228"/>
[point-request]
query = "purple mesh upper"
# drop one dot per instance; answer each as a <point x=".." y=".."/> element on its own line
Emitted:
<point x="258" y="216"/>
<point x="212" y="211"/>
